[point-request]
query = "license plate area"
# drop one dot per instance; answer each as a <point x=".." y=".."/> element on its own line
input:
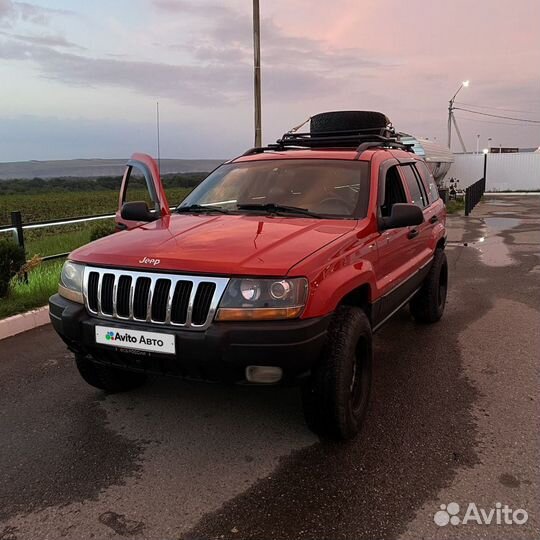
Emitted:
<point x="135" y="340"/>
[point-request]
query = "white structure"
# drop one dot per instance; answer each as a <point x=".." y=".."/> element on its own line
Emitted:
<point x="437" y="156"/>
<point x="514" y="172"/>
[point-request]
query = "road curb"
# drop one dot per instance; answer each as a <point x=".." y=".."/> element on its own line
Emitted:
<point x="23" y="322"/>
<point x="511" y="193"/>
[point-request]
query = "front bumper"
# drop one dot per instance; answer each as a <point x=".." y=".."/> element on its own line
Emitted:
<point x="220" y="353"/>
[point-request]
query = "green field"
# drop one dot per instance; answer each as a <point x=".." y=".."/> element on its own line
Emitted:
<point x="67" y="204"/>
<point x="43" y="280"/>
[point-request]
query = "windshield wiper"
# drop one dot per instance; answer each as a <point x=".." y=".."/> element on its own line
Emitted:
<point x="201" y="208"/>
<point x="274" y="208"/>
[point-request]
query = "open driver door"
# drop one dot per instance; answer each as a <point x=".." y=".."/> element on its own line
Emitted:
<point x="142" y="172"/>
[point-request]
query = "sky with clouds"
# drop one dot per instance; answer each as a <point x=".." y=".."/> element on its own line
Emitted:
<point x="81" y="78"/>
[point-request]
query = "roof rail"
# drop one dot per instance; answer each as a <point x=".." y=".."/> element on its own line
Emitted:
<point x="358" y="140"/>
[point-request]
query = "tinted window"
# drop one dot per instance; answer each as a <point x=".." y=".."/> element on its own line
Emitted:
<point x="393" y="191"/>
<point x="429" y="181"/>
<point x="418" y="196"/>
<point x="328" y="187"/>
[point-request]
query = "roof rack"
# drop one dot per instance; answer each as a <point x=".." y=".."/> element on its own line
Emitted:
<point x="334" y="130"/>
<point x="331" y="140"/>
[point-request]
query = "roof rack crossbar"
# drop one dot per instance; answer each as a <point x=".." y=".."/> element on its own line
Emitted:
<point x="358" y="140"/>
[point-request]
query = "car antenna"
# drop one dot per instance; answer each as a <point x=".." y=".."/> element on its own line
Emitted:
<point x="158" y="149"/>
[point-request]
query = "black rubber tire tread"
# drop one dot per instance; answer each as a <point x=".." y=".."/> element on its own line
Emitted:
<point x="326" y="395"/>
<point x="425" y="306"/>
<point x="108" y="378"/>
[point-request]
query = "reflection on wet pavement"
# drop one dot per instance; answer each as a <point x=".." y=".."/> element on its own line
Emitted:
<point x="491" y="243"/>
<point x="501" y="224"/>
<point x="493" y="251"/>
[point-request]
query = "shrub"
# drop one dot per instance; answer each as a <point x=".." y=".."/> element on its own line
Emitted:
<point x="101" y="230"/>
<point x="12" y="258"/>
<point x="455" y="206"/>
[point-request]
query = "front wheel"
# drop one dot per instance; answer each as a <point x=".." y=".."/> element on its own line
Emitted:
<point x="108" y="378"/>
<point x="427" y="305"/>
<point x="336" y="395"/>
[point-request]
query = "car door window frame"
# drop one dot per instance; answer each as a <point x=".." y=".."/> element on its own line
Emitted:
<point x="419" y="184"/>
<point x="142" y="168"/>
<point x="426" y="180"/>
<point x="383" y="173"/>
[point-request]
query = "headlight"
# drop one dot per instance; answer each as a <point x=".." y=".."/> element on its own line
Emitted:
<point x="263" y="299"/>
<point x="71" y="282"/>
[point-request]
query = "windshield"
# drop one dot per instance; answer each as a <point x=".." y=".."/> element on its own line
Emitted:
<point x="329" y="188"/>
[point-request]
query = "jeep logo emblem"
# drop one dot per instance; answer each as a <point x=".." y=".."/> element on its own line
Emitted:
<point x="146" y="260"/>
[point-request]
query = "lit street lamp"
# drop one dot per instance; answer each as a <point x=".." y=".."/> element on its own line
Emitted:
<point x="451" y="118"/>
<point x="486" y="152"/>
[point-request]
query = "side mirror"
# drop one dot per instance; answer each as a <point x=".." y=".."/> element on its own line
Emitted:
<point x="137" y="211"/>
<point x="403" y="215"/>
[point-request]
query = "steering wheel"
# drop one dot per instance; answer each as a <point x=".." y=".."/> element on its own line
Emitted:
<point x="333" y="205"/>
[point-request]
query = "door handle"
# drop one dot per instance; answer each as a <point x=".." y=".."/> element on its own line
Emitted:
<point x="433" y="219"/>
<point x="413" y="233"/>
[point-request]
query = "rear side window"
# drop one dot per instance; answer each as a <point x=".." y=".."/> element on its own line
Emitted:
<point x="429" y="181"/>
<point x="418" y="195"/>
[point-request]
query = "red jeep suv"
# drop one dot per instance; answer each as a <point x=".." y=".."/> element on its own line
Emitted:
<point x="278" y="267"/>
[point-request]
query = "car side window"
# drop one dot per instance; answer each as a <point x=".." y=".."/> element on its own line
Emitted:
<point x="418" y="195"/>
<point x="429" y="181"/>
<point x="136" y="188"/>
<point x="393" y="191"/>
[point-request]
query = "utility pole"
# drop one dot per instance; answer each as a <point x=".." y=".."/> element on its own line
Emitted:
<point x="257" y="71"/>
<point x="452" y="119"/>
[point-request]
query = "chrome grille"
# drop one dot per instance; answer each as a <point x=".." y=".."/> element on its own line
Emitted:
<point x="166" y="299"/>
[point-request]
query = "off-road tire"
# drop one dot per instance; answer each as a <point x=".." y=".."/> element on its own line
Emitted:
<point x="427" y="305"/>
<point x="108" y="378"/>
<point x="336" y="395"/>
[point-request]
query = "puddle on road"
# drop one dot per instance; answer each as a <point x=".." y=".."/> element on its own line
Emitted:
<point x="493" y="251"/>
<point x="501" y="224"/>
<point x="492" y="248"/>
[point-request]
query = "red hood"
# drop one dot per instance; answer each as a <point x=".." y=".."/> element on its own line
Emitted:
<point x="223" y="244"/>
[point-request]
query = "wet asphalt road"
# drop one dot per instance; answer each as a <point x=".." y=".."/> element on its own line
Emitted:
<point x="454" y="418"/>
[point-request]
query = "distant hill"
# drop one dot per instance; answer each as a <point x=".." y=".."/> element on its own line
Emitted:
<point x="83" y="168"/>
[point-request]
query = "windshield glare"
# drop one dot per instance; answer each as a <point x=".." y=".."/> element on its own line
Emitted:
<point x="333" y="188"/>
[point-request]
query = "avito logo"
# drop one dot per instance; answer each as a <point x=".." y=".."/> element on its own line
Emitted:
<point x="500" y="515"/>
<point x="128" y="338"/>
<point x="117" y="336"/>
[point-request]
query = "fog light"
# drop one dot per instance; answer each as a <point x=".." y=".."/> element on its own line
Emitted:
<point x="264" y="374"/>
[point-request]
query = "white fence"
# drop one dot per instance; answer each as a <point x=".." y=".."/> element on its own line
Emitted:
<point x="519" y="171"/>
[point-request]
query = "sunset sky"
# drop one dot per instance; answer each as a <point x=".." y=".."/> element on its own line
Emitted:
<point x="81" y="78"/>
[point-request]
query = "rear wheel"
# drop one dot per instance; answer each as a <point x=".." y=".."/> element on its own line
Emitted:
<point x="427" y="305"/>
<point x="108" y="378"/>
<point x="336" y="396"/>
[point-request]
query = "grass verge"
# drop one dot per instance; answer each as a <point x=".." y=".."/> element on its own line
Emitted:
<point x="455" y="206"/>
<point x="42" y="283"/>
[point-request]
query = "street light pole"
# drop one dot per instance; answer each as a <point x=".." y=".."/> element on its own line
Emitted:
<point x="451" y="118"/>
<point x="257" y="71"/>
